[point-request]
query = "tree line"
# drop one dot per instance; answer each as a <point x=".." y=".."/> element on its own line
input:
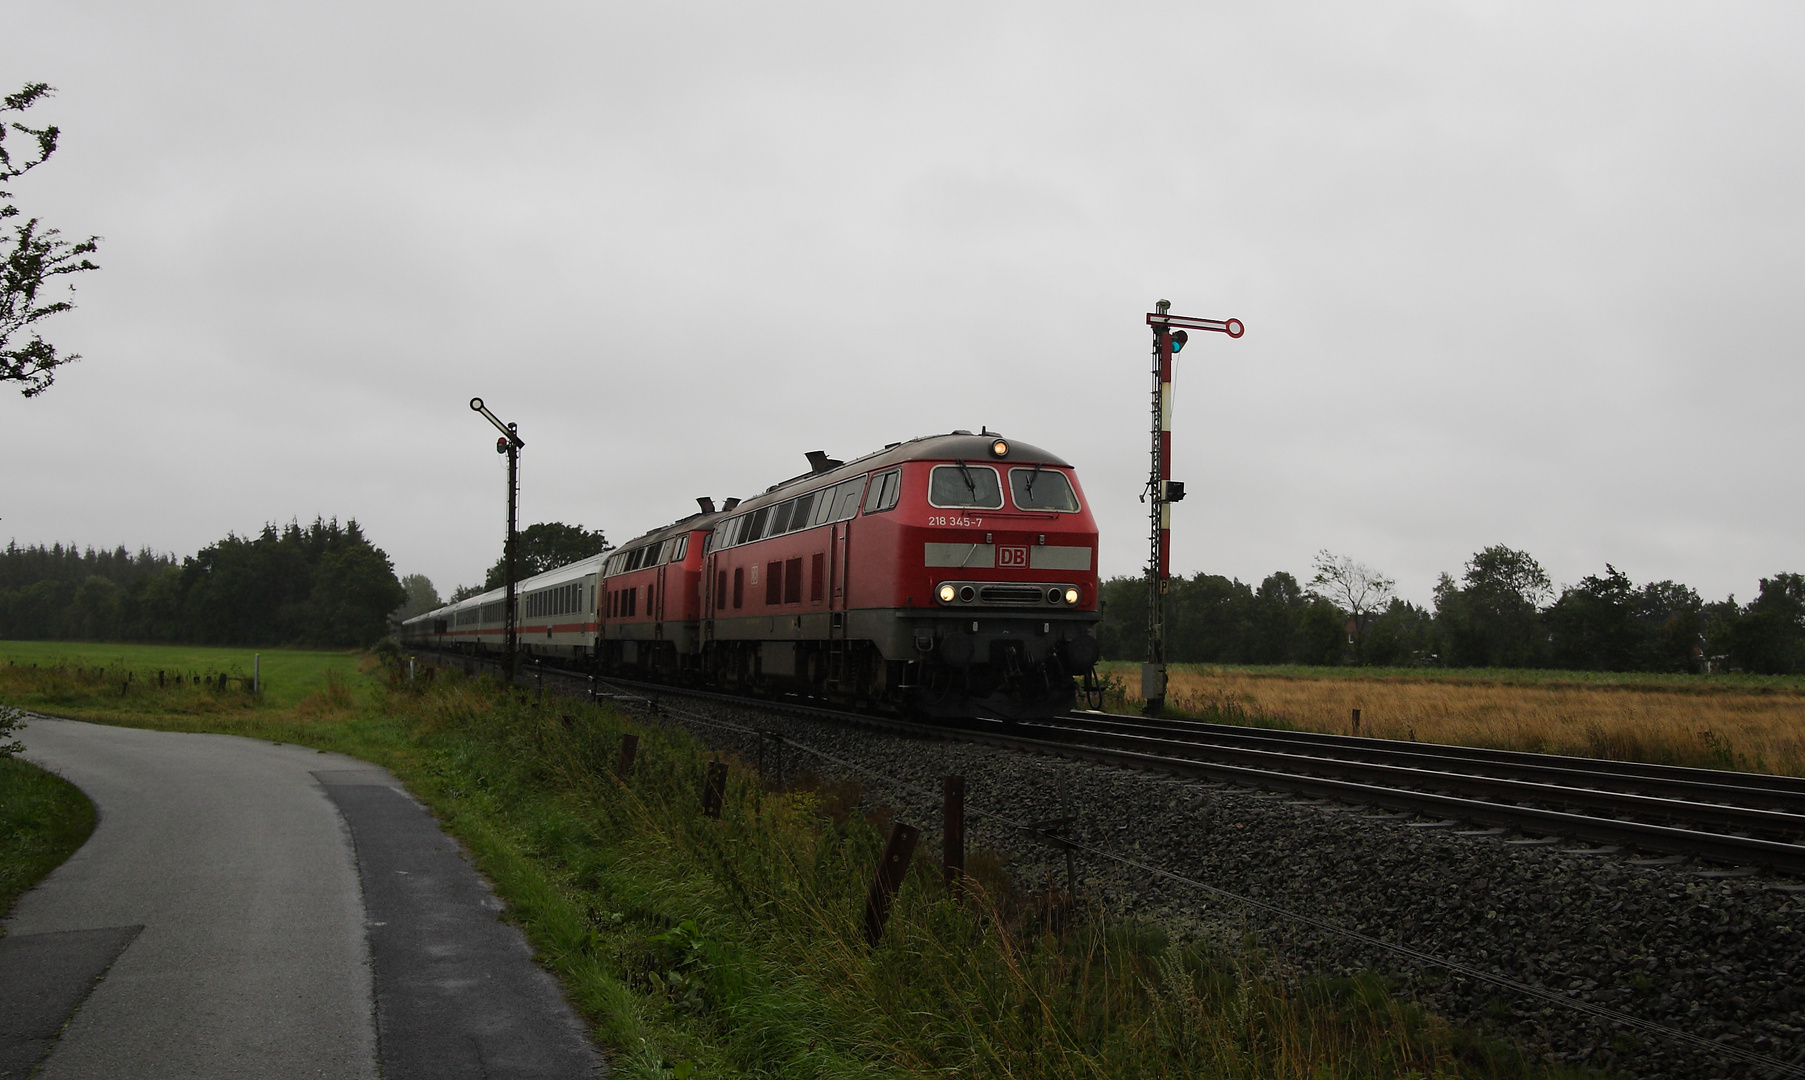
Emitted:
<point x="1501" y="612"/>
<point x="324" y="584"/>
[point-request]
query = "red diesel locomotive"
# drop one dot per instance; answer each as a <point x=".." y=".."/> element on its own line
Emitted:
<point x="952" y="575"/>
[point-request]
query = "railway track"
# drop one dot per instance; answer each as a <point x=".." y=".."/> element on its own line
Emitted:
<point x="1741" y="819"/>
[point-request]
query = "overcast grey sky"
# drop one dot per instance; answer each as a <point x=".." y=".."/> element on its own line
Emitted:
<point x="1519" y="273"/>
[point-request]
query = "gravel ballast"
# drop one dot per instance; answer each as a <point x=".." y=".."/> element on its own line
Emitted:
<point x="1713" y="952"/>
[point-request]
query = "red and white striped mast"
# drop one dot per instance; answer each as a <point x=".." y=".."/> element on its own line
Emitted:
<point x="1169" y="336"/>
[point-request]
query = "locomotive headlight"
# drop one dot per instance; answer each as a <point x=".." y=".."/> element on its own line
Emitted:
<point x="1071" y="596"/>
<point x="946" y="594"/>
<point x="1000" y="448"/>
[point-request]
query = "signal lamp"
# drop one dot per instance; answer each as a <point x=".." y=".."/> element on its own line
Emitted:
<point x="501" y="445"/>
<point x="1179" y="337"/>
<point x="1071" y="596"/>
<point x="946" y="594"/>
<point x="1052" y="596"/>
<point x="999" y="449"/>
<point x="967" y="594"/>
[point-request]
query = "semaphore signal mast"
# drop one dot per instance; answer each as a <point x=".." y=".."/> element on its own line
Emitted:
<point x="1169" y="336"/>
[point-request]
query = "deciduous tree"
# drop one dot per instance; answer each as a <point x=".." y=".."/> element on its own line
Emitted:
<point x="1491" y="618"/>
<point x="547" y="546"/>
<point x="1356" y="589"/>
<point x="32" y="257"/>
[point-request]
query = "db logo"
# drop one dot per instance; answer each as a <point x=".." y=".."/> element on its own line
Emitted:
<point x="1013" y="557"/>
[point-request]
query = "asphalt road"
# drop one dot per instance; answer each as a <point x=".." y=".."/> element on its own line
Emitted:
<point x="246" y="909"/>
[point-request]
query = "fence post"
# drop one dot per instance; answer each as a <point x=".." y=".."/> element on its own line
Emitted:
<point x="1356" y="721"/>
<point x="897" y="852"/>
<point x="714" y="789"/>
<point x="629" y="746"/>
<point x="952" y="831"/>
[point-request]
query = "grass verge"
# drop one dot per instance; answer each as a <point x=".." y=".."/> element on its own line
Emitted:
<point x="43" y="820"/>
<point x="699" y="947"/>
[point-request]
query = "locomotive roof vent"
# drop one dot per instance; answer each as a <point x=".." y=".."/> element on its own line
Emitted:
<point x="730" y="504"/>
<point x="706" y="503"/>
<point x="820" y="462"/>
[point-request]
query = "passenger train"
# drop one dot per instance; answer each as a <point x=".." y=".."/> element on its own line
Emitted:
<point x="951" y="575"/>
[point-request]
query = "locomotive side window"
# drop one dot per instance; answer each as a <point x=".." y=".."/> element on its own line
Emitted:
<point x="682" y="548"/>
<point x="755" y="528"/>
<point x="885" y="487"/>
<point x="962" y="485"/>
<point x="846" y="499"/>
<point x="803" y="516"/>
<point x="774" y="583"/>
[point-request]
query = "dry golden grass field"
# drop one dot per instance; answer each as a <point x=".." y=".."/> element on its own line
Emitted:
<point x="1730" y="723"/>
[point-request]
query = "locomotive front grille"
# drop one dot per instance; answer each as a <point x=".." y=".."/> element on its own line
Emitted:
<point x="1013" y="595"/>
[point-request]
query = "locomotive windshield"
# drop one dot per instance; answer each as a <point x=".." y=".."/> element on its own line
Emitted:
<point x="1042" y="489"/>
<point x="975" y="486"/>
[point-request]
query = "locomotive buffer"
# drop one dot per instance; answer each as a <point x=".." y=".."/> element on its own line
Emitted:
<point x="1169" y="336"/>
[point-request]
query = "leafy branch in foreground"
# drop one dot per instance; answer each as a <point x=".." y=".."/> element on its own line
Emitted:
<point x="33" y="258"/>
<point x="10" y="719"/>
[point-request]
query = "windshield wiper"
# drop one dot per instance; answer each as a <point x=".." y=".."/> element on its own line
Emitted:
<point x="1033" y="476"/>
<point x="970" y="484"/>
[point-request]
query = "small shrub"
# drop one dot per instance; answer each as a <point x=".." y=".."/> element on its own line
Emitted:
<point x="10" y="719"/>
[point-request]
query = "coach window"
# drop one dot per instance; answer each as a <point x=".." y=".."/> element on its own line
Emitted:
<point x="885" y="487"/>
<point x="966" y="486"/>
